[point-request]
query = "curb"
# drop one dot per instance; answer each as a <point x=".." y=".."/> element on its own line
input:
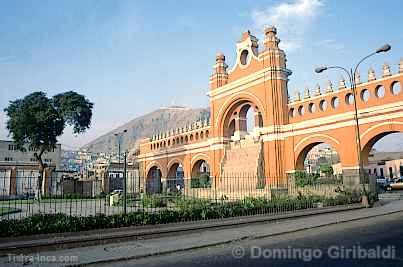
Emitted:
<point x="99" y="237"/>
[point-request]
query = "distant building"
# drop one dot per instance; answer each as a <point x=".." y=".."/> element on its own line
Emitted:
<point x="19" y="171"/>
<point x="385" y="164"/>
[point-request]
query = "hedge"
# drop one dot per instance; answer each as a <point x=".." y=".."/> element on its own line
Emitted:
<point x="186" y="210"/>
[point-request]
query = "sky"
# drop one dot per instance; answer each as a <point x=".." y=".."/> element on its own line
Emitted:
<point x="132" y="57"/>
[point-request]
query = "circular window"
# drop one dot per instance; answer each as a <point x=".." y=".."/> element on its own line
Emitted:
<point x="301" y="110"/>
<point x="323" y="105"/>
<point x="380" y="91"/>
<point x="244" y="57"/>
<point x="312" y="107"/>
<point x="291" y="113"/>
<point x="396" y="88"/>
<point x="364" y="95"/>
<point x="335" y="102"/>
<point x="349" y="99"/>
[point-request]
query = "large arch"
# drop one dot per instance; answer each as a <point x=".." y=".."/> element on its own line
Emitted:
<point x="225" y="114"/>
<point x="376" y="132"/>
<point x="305" y="145"/>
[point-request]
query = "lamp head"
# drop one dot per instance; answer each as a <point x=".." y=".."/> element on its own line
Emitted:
<point x="320" y="69"/>
<point x="384" y="48"/>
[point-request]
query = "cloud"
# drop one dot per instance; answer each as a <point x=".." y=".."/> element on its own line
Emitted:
<point x="292" y="20"/>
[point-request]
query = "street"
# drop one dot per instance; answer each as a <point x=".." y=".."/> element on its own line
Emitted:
<point x="383" y="231"/>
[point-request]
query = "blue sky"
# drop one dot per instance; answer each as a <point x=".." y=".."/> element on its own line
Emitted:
<point x="131" y="57"/>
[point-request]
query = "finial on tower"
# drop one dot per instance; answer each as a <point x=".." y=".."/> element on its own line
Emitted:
<point x="371" y="74"/>
<point x="219" y="57"/>
<point x="271" y="40"/>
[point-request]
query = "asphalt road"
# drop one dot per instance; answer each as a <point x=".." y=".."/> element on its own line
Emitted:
<point x="322" y="246"/>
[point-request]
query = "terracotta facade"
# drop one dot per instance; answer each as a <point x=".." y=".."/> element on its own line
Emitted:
<point x="284" y="129"/>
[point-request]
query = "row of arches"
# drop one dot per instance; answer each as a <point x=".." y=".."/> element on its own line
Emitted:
<point x="180" y="140"/>
<point x="174" y="179"/>
<point x="364" y="96"/>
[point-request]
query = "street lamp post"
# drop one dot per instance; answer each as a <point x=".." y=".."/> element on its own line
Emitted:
<point x="119" y="137"/>
<point x="353" y="85"/>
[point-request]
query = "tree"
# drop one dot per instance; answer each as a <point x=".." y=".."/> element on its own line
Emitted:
<point x="326" y="169"/>
<point x="36" y="121"/>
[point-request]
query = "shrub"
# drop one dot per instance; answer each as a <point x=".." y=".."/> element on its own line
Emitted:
<point x="303" y="179"/>
<point x="153" y="201"/>
<point x="186" y="209"/>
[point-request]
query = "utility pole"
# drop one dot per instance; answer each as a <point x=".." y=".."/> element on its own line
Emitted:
<point x="125" y="184"/>
<point x="120" y="139"/>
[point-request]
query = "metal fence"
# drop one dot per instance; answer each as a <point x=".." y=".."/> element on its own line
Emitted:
<point x="252" y="194"/>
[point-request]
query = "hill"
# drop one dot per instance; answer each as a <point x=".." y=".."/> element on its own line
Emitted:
<point x="144" y="126"/>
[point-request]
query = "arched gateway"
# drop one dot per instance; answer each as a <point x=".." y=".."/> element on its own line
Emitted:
<point x="255" y="129"/>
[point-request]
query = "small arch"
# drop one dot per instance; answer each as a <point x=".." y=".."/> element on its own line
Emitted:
<point x="301" y="110"/>
<point x="244" y="58"/>
<point x="335" y="102"/>
<point x="181" y="139"/>
<point x="365" y="95"/>
<point x="197" y="136"/>
<point x="323" y="105"/>
<point x="291" y="113"/>
<point x="207" y="134"/>
<point x="191" y="137"/>
<point x="201" y="135"/>
<point x="395" y="88"/>
<point x="312" y="107"/>
<point x="349" y="99"/>
<point x="186" y="139"/>
<point x="380" y="91"/>
<point x="177" y="140"/>
<point x="169" y="142"/>
<point x="165" y="144"/>
<point x="173" y="142"/>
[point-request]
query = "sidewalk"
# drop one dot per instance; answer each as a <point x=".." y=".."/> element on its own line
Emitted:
<point x="210" y="237"/>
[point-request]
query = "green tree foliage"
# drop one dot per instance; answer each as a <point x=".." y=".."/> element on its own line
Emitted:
<point x="36" y="121"/>
<point x="326" y="169"/>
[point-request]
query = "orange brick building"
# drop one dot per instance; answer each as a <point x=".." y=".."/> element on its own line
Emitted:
<point x="283" y="132"/>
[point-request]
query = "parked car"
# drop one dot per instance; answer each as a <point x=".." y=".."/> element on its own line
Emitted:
<point x="383" y="182"/>
<point x="396" y="185"/>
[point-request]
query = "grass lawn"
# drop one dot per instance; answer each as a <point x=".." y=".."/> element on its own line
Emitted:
<point x="8" y="210"/>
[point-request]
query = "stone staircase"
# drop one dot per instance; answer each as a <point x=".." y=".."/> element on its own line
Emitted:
<point x="241" y="166"/>
<point x="241" y="158"/>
